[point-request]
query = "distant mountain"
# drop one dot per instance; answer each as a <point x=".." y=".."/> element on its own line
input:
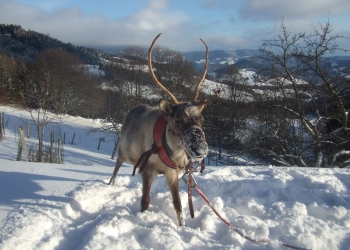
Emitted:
<point x="343" y="61"/>
<point x="242" y="58"/>
<point x="220" y="58"/>
<point x="27" y="44"/>
<point x="215" y="55"/>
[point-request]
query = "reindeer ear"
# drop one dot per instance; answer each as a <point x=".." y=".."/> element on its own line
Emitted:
<point x="165" y="107"/>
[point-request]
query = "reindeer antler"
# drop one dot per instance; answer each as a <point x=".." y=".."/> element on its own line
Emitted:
<point x="165" y="90"/>
<point x="196" y="93"/>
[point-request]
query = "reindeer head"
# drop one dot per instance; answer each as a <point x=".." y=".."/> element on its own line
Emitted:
<point x="184" y="119"/>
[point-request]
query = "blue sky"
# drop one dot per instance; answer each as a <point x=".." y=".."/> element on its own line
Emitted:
<point x="223" y="24"/>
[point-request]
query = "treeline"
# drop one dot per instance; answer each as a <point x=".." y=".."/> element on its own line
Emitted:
<point x="55" y="80"/>
<point x="26" y="45"/>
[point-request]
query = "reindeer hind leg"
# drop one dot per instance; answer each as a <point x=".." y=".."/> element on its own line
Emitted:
<point x="116" y="169"/>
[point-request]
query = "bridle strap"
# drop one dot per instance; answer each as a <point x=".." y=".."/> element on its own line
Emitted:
<point x="187" y="130"/>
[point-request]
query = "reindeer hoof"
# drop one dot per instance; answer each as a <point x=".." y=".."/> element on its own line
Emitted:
<point x="112" y="181"/>
<point x="181" y="220"/>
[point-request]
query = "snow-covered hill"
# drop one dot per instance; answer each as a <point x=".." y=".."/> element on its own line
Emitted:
<point x="69" y="206"/>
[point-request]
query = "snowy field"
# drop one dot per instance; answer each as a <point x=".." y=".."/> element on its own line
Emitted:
<point x="69" y="206"/>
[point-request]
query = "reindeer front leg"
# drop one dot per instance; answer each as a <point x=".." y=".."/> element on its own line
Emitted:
<point x="173" y="183"/>
<point x="147" y="179"/>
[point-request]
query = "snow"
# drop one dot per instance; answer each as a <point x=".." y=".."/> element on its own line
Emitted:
<point x="249" y="76"/>
<point x="94" y="69"/>
<point x="69" y="206"/>
<point x="209" y="87"/>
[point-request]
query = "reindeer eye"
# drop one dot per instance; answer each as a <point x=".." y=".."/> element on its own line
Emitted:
<point x="178" y="122"/>
<point x="178" y="118"/>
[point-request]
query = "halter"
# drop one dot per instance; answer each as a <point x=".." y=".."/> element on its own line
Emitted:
<point x="187" y="130"/>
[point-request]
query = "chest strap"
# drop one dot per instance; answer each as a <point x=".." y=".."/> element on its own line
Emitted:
<point x="156" y="148"/>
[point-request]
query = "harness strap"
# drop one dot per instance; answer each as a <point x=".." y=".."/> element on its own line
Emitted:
<point x="159" y="147"/>
<point x="144" y="158"/>
<point x="159" y="137"/>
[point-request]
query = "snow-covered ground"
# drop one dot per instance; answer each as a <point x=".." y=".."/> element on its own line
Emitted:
<point x="69" y="206"/>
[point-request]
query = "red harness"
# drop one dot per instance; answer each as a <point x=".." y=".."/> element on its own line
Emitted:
<point x="158" y="132"/>
<point x="157" y="147"/>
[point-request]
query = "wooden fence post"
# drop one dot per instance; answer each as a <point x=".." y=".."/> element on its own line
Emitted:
<point x="99" y="143"/>
<point x="114" y="150"/>
<point x="1" y="126"/>
<point x="73" y="138"/>
<point x="20" y="142"/>
<point x="51" y="160"/>
<point x="28" y="131"/>
<point x="59" y="151"/>
<point x="31" y="155"/>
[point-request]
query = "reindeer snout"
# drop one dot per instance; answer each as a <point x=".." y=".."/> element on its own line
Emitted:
<point x="194" y="144"/>
<point x="201" y="151"/>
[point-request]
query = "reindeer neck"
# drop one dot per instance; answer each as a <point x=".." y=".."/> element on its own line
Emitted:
<point x="171" y="144"/>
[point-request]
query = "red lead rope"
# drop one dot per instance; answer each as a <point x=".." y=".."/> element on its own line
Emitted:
<point x="195" y="186"/>
<point x="236" y="230"/>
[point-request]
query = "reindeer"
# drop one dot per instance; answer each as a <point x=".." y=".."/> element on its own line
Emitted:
<point x="163" y="140"/>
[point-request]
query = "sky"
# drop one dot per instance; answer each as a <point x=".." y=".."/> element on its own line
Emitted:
<point x="223" y="24"/>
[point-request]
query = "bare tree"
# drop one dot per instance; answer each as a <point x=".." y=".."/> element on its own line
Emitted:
<point x="57" y="82"/>
<point x="69" y="80"/>
<point x="310" y="94"/>
<point x="7" y="68"/>
<point x="38" y="102"/>
<point x="136" y="63"/>
<point x="175" y="71"/>
<point x="227" y="128"/>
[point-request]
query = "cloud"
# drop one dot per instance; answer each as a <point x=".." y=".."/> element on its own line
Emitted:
<point x="74" y="26"/>
<point x="217" y="41"/>
<point x="155" y="17"/>
<point x="158" y="4"/>
<point x="275" y="9"/>
<point x="224" y="4"/>
<point x="222" y="28"/>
